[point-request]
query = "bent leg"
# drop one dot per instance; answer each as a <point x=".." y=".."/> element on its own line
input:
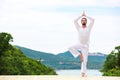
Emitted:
<point x="74" y="50"/>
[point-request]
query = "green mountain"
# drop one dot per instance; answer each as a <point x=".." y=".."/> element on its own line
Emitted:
<point x="64" y="60"/>
<point x="14" y="62"/>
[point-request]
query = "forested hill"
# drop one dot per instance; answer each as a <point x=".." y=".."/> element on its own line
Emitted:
<point x="111" y="65"/>
<point x="64" y="60"/>
<point x="14" y="62"/>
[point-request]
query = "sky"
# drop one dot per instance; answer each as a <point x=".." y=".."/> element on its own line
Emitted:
<point x="47" y="25"/>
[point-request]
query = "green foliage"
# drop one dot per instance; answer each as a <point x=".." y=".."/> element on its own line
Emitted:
<point x="14" y="62"/>
<point x="110" y="62"/>
<point x="118" y="55"/>
<point x="112" y="72"/>
<point x="111" y="66"/>
<point x="5" y="38"/>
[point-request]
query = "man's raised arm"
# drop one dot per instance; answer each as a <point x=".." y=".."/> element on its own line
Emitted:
<point x="91" y="21"/>
<point x="76" y="22"/>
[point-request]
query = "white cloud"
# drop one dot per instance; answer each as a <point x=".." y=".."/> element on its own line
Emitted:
<point x="23" y="4"/>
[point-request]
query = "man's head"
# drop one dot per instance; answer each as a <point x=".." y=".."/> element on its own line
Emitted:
<point x="84" y="21"/>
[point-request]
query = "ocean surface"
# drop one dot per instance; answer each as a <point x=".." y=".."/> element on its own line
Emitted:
<point x="77" y="72"/>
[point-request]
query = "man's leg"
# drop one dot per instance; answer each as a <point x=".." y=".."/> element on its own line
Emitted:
<point x="83" y="69"/>
<point x="74" y="50"/>
<point x="84" y="62"/>
<point x="81" y="57"/>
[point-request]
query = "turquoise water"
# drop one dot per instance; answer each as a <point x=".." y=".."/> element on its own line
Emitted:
<point x="77" y="72"/>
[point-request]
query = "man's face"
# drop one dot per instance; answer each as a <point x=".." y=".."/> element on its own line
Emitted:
<point x="83" y="21"/>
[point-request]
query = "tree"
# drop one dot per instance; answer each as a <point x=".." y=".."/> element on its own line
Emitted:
<point x="118" y="55"/>
<point x="111" y="66"/>
<point x="5" y="38"/>
<point x="110" y="60"/>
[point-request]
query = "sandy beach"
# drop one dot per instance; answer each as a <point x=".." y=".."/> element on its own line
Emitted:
<point x="52" y="77"/>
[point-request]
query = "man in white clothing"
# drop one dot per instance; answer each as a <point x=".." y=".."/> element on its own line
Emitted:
<point x="82" y="48"/>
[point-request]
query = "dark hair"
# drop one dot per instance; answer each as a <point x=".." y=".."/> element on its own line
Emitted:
<point x="84" y="18"/>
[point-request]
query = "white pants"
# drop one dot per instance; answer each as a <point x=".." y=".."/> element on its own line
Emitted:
<point x="84" y="51"/>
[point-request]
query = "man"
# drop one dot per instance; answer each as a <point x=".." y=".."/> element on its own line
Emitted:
<point x="82" y="48"/>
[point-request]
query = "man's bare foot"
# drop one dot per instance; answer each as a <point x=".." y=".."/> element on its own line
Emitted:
<point x="83" y="75"/>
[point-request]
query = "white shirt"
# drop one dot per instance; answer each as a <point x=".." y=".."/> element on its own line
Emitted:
<point x="84" y="33"/>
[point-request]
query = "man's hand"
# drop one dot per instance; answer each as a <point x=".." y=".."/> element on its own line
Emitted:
<point x="83" y="14"/>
